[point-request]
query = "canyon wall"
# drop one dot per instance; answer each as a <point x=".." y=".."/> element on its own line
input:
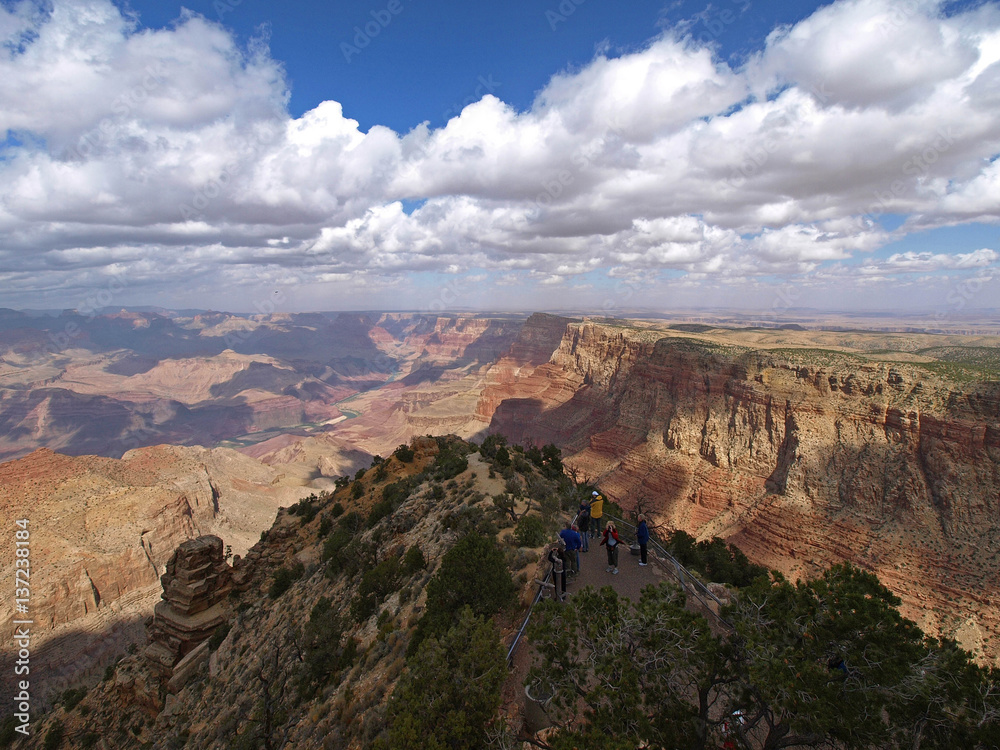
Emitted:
<point x="803" y="457"/>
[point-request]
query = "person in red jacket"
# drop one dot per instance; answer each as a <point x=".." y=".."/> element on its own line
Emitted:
<point x="611" y="540"/>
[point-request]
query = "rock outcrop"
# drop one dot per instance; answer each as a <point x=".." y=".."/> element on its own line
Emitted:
<point x="195" y="585"/>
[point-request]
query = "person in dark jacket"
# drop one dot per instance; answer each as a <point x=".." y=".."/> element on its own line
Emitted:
<point x="642" y="536"/>
<point x="555" y="557"/>
<point x="610" y="538"/>
<point x="571" y="538"/>
<point x="583" y="524"/>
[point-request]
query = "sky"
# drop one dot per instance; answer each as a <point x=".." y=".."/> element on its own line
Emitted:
<point x="526" y="155"/>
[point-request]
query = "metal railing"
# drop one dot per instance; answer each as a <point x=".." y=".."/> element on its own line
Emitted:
<point x="524" y="625"/>
<point x="688" y="583"/>
<point x="538" y="597"/>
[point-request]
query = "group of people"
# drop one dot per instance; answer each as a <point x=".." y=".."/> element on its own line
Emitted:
<point x="564" y="555"/>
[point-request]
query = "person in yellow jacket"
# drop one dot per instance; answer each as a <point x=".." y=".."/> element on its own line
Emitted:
<point x="596" y="512"/>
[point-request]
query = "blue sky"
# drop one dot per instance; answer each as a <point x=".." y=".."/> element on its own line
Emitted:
<point x="526" y="155"/>
<point x="433" y="57"/>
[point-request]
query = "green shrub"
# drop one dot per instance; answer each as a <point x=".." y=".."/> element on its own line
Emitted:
<point x="305" y="509"/>
<point x="450" y="462"/>
<point x="357" y="490"/>
<point x="54" y="737"/>
<point x="413" y="561"/>
<point x="393" y="495"/>
<point x="379" y="511"/>
<point x="715" y="560"/>
<point x="73" y="696"/>
<point x="491" y="445"/>
<point x="337" y="510"/>
<point x="473" y="573"/>
<point x="325" y="525"/>
<point x="376" y="584"/>
<point x="284" y="578"/>
<point x="326" y="651"/>
<point x="8" y="732"/>
<point x="89" y="740"/>
<point x="530" y="532"/>
<point x="451" y="692"/>
<point x="404" y="453"/>
<point x="468" y="520"/>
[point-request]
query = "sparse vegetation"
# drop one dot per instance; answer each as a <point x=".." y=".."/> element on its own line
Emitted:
<point x="473" y="574"/>
<point x="71" y="697"/>
<point x="54" y="737"/>
<point x="451" y="692"/>
<point x="823" y="663"/>
<point x="284" y="578"/>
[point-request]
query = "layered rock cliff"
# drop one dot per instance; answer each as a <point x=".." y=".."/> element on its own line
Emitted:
<point x="103" y="529"/>
<point x="804" y="457"/>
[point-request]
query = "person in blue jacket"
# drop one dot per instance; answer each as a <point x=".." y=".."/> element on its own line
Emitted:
<point x="642" y="536"/>
<point x="571" y="537"/>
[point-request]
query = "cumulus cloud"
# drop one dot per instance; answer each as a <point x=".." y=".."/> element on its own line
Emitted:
<point x="168" y="153"/>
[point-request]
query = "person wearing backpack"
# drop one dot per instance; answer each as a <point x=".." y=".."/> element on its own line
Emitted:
<point x="612" y="541"/>
<point x="642" y="536"/>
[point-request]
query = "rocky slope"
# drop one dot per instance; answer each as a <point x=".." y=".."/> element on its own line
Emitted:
<point x="101" y="530"/>
<point x="804" y="457"/>
<point x="255" y="689"/>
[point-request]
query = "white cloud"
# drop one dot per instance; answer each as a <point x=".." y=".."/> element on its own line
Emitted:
<point x="180" y="158"/>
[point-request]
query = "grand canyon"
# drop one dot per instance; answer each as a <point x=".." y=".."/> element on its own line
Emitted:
<point x="804" y="446"/>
